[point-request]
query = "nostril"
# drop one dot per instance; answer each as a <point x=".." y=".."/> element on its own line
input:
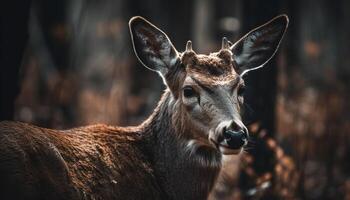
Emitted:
<point x="235" y="139"/>
<point x="227" y="134"/>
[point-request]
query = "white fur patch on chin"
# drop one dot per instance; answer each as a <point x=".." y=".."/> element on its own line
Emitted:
<point x="227" y="151"/>
<point x="205" y="158"/>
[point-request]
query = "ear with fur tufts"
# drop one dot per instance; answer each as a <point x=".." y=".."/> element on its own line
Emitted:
<point x="257" y="47"/>
<point x="152" y="46"/>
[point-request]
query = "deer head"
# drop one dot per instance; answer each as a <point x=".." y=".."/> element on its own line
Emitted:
<point x="207" y="89"/>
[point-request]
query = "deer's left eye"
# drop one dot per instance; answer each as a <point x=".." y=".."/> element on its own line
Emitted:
<point x="189" y="92"/>
<point x="241" y="91"/>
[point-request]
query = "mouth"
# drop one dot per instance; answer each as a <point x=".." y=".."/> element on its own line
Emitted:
<point x="225" y="149"/>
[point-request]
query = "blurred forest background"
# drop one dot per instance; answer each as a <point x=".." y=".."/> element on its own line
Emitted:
<point x="70" y="63"/>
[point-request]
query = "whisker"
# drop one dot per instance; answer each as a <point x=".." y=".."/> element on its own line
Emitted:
<point x="245" y="152"/>
<point x="252" y="141"/>
<point x="248" y="148"/>
<point x="251" y="146"/>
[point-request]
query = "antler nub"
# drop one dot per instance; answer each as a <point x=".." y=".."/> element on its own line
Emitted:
<point x="189" y="56"/>
<point x="225" y="52"/>
<point x="225" y="43"/>
<point x="189" y="46"/>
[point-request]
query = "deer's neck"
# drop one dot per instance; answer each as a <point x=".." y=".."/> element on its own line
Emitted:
<point x="181" y="172"/>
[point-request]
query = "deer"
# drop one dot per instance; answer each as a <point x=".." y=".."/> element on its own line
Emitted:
<point x="176" y="153"/>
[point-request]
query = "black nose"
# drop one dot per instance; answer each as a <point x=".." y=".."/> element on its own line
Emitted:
<point x="235" y="139"/>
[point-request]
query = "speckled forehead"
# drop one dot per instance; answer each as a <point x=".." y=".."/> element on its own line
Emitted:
<point x="212" y="70"/>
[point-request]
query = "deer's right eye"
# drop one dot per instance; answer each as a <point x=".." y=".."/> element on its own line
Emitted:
<point x="189" y="92"/>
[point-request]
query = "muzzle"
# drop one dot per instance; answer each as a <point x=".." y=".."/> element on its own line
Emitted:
<point x="230" y="137"/>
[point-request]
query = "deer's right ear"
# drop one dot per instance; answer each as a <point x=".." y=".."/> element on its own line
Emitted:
<point x="152" y="46"/>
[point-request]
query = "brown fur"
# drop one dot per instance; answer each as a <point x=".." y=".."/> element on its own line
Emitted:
<point x="94" y="162"/>
<point x="212" y="69"/>
<point x="102" y="162"/>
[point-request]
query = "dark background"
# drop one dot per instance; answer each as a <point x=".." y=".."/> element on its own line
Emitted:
<point x="70" y="63"/>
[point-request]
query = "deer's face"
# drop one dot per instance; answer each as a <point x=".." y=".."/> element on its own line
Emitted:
<point x="211" y="98"/>
<point x="208" y="89"/>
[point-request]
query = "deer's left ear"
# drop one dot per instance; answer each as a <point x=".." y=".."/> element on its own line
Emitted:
<point x="257" y="47"/>
<point x="152" y="46"/>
